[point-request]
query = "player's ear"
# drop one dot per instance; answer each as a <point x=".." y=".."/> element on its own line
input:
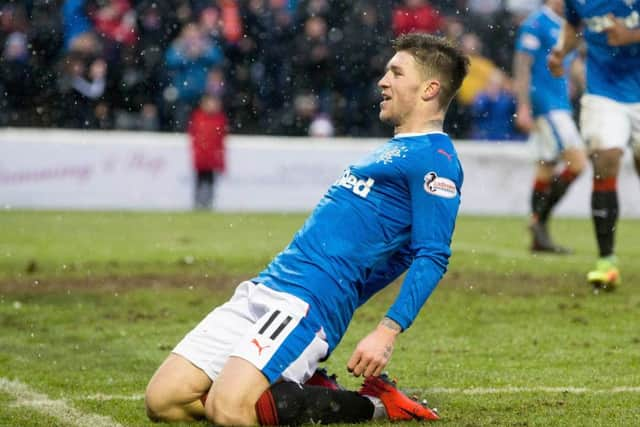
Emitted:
<point x="431" y="90"/>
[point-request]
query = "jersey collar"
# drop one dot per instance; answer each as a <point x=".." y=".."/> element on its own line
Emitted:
<point x="412" y="134"/>
<point x="552" y="15"/>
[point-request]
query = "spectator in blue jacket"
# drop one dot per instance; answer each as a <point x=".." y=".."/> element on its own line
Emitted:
<point x="493" y="111"/>
<point x="188" y="60"/>
<point x="74" y="20"/>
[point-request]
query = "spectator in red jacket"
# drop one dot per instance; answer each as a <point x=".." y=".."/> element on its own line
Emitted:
<point x="416" y="16"/>
<point x="115" y="20"/>
<point x="207" y="130"/>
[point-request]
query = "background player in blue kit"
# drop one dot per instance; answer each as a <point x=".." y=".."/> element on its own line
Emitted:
<point x="544" y="109"/>
<point x="390" y="211"/>
<point x="610" y="108"/>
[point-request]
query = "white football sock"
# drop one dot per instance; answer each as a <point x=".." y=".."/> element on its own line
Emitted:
<point x="379" y="410"/>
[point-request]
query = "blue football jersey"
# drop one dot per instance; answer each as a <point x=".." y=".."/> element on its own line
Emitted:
<point x="537" y="35"/>
<point x="392" y="210"/>
<point x="613" y="72"/>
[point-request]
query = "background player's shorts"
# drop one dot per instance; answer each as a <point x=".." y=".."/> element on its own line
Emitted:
<point x="265" y="327"/>
<point x="555" y="132"/>
<point x="606" y="123"/>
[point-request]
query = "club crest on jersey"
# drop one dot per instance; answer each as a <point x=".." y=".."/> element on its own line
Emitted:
<point x="351" y="182"/>
<point x="530" y="41"/>
<point x="439" y="186"/>
<point x="389" y="153"/>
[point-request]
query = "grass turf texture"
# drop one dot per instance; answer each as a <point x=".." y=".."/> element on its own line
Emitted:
<point x="91" y="303"/>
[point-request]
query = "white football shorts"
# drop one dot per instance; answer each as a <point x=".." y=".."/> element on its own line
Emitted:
<point x="606" y="123"/>
<point x="555" y="132"/>
<point x="265" y="327"/>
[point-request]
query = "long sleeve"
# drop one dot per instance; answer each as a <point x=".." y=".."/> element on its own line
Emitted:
<point x="435" y="197"/>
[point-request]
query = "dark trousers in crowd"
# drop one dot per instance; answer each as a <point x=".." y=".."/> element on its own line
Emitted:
<point x="205" y="181"/>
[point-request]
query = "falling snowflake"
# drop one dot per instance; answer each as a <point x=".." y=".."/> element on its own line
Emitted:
<point x="388" y="154"/>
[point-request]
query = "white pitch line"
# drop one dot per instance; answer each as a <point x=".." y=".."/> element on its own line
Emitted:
<point x="105" y="397"/>
<point x="57" y="408"/>
<point x="516" y="390"/>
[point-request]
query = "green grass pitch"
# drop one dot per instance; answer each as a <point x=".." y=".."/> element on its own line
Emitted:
<point x="91" y="303"/>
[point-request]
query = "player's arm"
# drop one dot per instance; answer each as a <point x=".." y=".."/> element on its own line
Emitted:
<point x="375" y="350"/>
<point x="522" y="63"/>
<point x="433" y="219"/>
<point x="528" y="45"/>
<point x="567" y="40"/>
<point x="434" y="183"/>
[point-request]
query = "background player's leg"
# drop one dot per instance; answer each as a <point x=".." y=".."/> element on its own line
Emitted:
<point x="575" y="161"/>
<point x="604" y="211"/>
<point x="174" y="391"/>
<point x="604" y="199"/>
<point x="556" y="139"/>
<point x="547" y="190"/>
<point x="563" y="140"/>
<point x="607" y="129"/>
<point x="541" y="187"/>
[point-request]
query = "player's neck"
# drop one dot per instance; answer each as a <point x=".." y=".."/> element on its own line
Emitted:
<point x="433" y="125"/>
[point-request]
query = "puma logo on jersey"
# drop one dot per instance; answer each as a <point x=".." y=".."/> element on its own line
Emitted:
<point x="359" y="187"/>
<point x="444" y="153"/>
<point x="260" y="348"/>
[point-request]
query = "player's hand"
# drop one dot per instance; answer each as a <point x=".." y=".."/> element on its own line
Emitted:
<point x="524" y="120"/>
<point x="555" y="62"/>
<point x="373" y="352"/>
<point x="617" y="33"/>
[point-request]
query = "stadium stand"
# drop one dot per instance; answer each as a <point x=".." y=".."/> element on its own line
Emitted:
<point x="282" y="67"/>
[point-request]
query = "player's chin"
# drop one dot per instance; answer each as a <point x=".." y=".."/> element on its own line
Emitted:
<point x="385" y="116"/>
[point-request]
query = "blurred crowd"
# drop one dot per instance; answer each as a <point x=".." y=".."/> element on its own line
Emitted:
<point x="285" y="67"/>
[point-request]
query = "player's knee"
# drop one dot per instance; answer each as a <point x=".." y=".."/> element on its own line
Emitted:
<point x="576" y="161"/>
<point x="578" y="165"/>
<point x="159" y="404"/>
<point x="155" y="404"/>
<point x="606" y="163"/>
<point x="229" y="410"/>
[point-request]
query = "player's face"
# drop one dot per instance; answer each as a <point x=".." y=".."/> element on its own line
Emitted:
<point x="400" y="88"/>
